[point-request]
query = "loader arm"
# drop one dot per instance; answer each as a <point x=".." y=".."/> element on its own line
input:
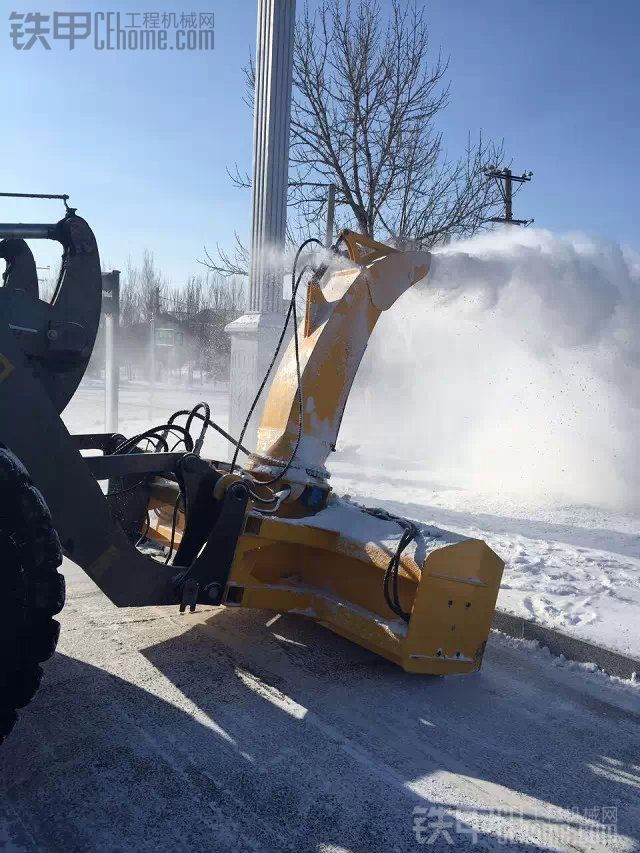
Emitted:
<point x="341" y="314"/>
<point x="44" y="351"/>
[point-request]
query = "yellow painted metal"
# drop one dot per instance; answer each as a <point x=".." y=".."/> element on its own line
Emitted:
<point x="340" y="317"/>
<point x="318" y="564"/>
<point x="336" y="579"/>
<point x="329" y="563"/>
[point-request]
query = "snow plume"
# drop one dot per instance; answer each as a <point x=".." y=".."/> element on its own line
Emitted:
<point x="280" y="261"/>
<point x="513" y="368"/>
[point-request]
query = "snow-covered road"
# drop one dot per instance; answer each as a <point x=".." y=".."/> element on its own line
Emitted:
<point x="217" y="731"/>
<point x="232" y="729"/>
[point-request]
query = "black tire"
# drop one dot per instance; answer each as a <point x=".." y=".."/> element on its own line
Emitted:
<point x="31" y="589"/>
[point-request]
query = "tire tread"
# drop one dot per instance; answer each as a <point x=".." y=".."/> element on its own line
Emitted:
<point x="32" y="591"/>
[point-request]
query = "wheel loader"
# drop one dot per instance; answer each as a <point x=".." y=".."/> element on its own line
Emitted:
<point x="153" y="522"/>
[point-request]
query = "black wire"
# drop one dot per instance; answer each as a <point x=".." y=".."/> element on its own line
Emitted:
<point x="291" y="310"/>
<point x="130" y="443"/>
<point x="212" y="424"/>
<point x="126" y="445"/>
<point x="170" y="426"/>
<point x="256" y="497"/>
<point x="299" y="390"/>
<point x="161" y="441"/>
<point x="153" y="432"/>
<point x="205" y="423"/>
<point x="276" y="501"/>
<point x="392" y="573"/>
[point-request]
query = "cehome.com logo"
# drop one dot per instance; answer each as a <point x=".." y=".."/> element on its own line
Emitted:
<point x="113" y="30"/>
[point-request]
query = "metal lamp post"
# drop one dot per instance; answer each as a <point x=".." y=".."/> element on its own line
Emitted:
<point x="253" y="336"/>
<point x="111" y="310"/>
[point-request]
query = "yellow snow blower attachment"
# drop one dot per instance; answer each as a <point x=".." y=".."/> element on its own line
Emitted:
<point x="270" y="534"/>
<point x="417" y="595"/>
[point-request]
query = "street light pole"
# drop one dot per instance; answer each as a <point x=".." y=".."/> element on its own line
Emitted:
<point x="274" y="67"/>
<point x="253" y="336"/>
<point x="111" y="310"/>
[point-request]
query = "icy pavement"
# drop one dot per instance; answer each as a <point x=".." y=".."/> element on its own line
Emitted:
<point x="575" y="568"/>
<point x="227" y="730"/>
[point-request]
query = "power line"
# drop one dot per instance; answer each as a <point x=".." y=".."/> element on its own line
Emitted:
<point x="505" y="179"/>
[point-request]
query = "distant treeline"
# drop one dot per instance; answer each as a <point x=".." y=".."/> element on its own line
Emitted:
<point x="189" y="322"/>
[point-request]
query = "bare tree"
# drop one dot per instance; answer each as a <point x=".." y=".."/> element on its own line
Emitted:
<point x="129" y="296"/>
<point x="152" y="287"/>
<point x="200" y="308"/>
<point x="367" y="93"/>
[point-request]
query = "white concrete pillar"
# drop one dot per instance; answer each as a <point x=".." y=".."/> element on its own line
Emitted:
<point x="111" y="312"/>
<point x="274" y="58"/>
<point x="254" y="335"/>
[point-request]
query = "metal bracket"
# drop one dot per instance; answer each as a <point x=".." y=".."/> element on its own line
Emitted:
<point x="189" y="595"/>
<point x="197" y="482"/>
<point x="210" y="571"/>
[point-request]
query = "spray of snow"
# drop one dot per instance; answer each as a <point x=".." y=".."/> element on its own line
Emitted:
<point x="513" y="368"/>
<point x="280" y="262"/>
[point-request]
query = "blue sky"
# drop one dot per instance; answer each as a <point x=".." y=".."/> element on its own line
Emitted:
<point x="141" y="141"/>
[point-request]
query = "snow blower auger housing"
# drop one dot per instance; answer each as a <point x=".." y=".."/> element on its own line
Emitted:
<point x="270" y="534"/>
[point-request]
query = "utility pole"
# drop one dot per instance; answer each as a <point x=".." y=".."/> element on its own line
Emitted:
<point x="331" y="215"/>
<point x="505" y="179"/>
